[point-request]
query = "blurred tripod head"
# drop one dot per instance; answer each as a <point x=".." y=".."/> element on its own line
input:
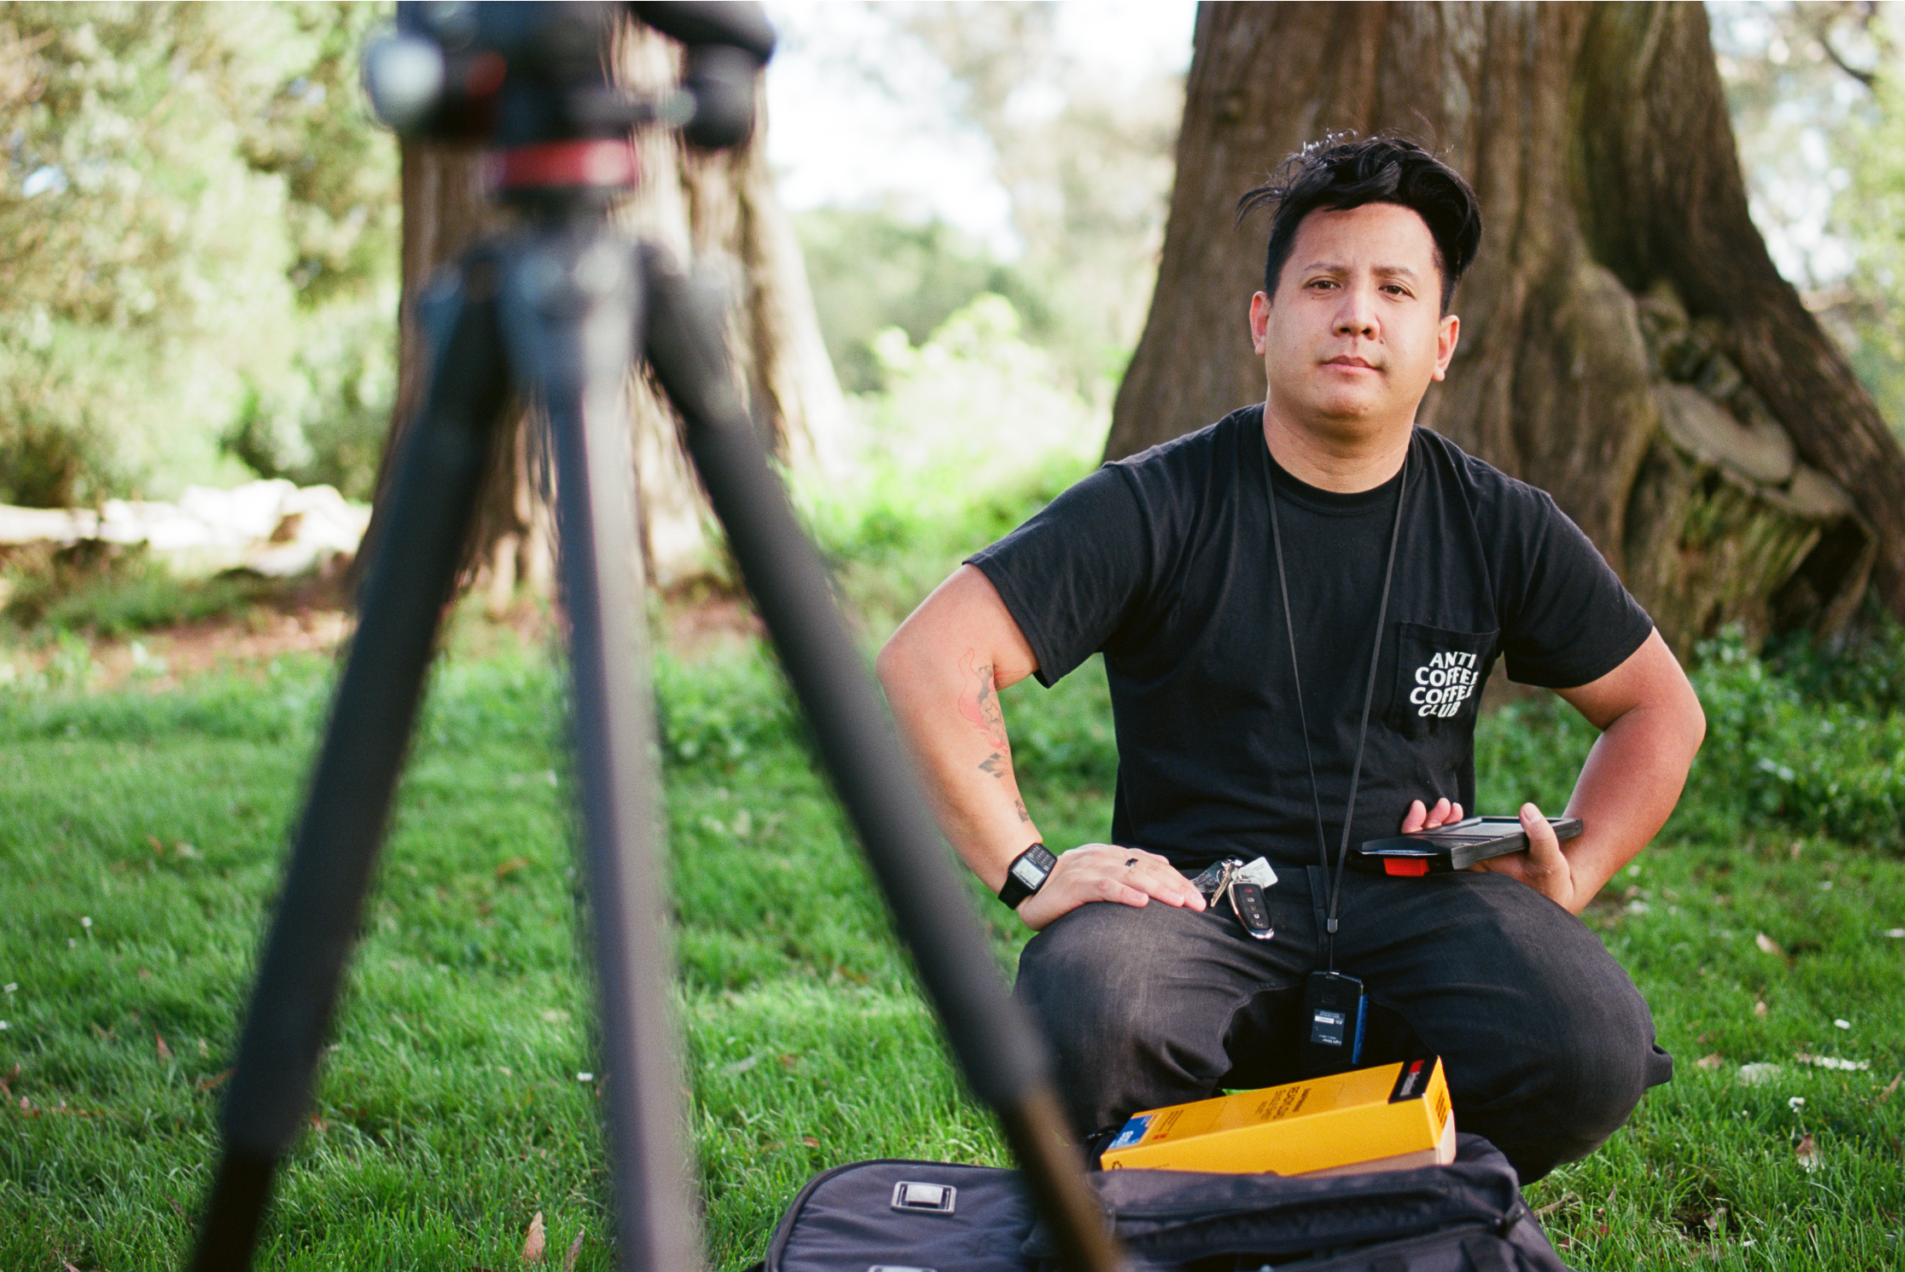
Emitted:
<point x="533" y="81"/>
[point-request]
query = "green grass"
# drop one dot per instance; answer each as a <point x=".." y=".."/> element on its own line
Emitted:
<point x="451" y="1109"/>
<point x="110" y="591"/>
<point x="141" y="839"/>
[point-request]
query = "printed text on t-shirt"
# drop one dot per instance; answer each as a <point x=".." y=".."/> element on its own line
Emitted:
<point x="1443" y="684"/>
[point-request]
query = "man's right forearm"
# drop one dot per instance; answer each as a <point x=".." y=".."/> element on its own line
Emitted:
<point x="942" y="671"/>
<point x="945" y="699"/>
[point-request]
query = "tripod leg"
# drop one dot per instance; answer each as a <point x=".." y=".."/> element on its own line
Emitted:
<point x="570" y="307"/>
<point x="349" y="799"/>
<point x="1003" y="1056"/>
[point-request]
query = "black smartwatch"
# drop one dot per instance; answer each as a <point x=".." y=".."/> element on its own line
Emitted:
<point x="1026" y="875"/>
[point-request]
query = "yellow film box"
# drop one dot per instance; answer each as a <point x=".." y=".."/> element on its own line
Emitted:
<point x="1392" y="1117"/>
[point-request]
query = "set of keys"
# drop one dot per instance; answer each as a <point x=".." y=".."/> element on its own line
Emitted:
<point x="1243" y="883"/>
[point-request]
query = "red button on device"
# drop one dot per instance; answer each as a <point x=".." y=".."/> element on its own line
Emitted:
<point x="1405" y="865"/>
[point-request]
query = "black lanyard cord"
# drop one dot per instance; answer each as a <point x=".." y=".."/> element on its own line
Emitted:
<point x="1369" y="696"/>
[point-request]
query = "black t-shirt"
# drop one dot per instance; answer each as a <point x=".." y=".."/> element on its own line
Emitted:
<point x="1163" y="561"/>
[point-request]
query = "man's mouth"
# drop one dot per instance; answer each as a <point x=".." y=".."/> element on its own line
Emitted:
<point x="1350" y="361"/>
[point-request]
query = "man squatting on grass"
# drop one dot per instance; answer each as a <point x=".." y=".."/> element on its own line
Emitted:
<point x="1168" y="563"/>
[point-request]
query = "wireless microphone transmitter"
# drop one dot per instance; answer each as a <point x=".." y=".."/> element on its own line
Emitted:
<point x="1334" y="1008"/>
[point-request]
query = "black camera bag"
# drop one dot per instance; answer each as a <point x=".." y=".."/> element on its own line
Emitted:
<point x="1467" y="1217"/>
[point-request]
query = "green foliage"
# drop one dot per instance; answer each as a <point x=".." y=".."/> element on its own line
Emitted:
<point x="119" y="593"/>
<point x="870" y="271"/>
<point x="1780" y="756"/>
<point x="1086" y="158"/>
<point x="199" y="260"/>
<point x="1082" y="152"/>
<point x="974" y="408"/>
<point x="1867" y="673"/>
<point x="1803" y="743"/>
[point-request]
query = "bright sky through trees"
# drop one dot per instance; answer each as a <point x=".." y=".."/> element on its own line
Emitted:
<point x="863" y="115"/>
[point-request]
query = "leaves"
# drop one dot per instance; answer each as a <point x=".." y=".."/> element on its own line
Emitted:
<point x="196" y="265"/>
<point x="537" y="1239"/>
<point x="1806" y="1153"/>
<point x="1768" y="945"/>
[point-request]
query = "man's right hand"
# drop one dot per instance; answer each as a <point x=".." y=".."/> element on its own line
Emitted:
<point x="1106" y="872"/>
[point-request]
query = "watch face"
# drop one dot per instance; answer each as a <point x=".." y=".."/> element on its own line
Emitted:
<point x="1029" y="872"/>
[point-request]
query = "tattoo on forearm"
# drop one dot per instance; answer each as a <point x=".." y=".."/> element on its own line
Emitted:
<point x="994" y="764"/>
<point x="1023" y="815"/>
<point x="980" y="706"/>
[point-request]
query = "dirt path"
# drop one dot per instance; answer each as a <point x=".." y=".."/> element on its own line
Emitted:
<point x="317" y="623"/>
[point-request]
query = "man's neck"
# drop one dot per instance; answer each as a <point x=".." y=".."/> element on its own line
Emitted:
<point x="1345" y="463"/>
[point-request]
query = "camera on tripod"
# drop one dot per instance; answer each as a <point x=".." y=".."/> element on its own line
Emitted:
<point x="525" y="77"/>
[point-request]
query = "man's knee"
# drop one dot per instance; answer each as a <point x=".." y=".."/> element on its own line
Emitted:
<point x="1091" y="981"/>
<point x="1134" y="1009"/>
<point x="1587" y="1057"/>
<point x="1549" y="1044"/>
<point x="1602" y="1060"/>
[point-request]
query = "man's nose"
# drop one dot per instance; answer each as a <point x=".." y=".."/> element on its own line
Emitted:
<point x="1357" y="315"/>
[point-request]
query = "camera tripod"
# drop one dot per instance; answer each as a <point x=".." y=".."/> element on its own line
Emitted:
<point x="557" y="311"/>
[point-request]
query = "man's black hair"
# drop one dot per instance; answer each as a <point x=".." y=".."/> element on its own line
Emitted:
<point x="1334" y="175"/>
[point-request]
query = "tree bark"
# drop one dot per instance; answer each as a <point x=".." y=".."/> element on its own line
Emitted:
<point x="1626" y="341"/>
<point x="718" y="207"/>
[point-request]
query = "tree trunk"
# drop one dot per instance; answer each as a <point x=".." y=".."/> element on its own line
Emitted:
<point x="720" y="207"/>
<point x="1626" y="341"/>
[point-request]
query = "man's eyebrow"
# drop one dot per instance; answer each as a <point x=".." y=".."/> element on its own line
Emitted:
<point x="1403" y="272"/>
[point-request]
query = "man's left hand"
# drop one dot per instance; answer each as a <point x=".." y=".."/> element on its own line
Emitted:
<point x="1420" y="818"/>
<point x="1542" y="865"/>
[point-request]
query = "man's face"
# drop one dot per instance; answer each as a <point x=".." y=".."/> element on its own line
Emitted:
<point x="1355" y="332"/>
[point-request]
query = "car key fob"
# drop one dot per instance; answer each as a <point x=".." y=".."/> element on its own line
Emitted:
<point x="1247" y="900"/>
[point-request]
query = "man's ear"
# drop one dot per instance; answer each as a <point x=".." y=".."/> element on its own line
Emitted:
<point x="1446" y="336"/>
<point x="1259" y="320"/>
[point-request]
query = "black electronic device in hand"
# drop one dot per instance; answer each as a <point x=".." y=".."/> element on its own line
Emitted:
<point x="1456" y="846"/>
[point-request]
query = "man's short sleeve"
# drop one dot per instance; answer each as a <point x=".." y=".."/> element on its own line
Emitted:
<point x="1574" y="622"/>
<point x="1068" y="576"/>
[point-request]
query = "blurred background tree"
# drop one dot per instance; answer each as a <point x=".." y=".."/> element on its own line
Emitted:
<point x="197" y="249"/>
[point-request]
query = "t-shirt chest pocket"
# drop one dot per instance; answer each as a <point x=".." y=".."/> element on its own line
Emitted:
<point x="1439" y="678"/>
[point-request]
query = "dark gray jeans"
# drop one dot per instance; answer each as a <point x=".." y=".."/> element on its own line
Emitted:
<point x="1547" y="1043"/>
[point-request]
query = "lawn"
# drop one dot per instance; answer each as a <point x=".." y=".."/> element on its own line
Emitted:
<point x="141" y="836"/>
